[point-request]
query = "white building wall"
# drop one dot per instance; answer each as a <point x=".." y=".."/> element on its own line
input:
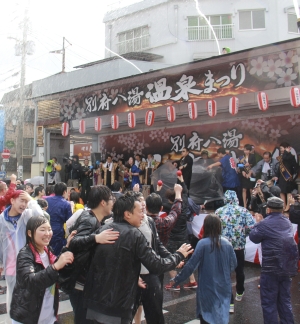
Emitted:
<point x="167" y="21"/>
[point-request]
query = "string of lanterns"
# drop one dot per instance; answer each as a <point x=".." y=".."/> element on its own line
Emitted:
<point x="211" y="107"/>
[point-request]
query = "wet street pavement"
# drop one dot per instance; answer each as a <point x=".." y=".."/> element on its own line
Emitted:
<point x="180" y="306"/>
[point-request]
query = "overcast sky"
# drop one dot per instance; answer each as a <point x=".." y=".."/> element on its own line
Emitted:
<point x="79" y="21"/>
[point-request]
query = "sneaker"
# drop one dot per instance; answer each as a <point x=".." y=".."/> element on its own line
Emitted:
<point x="191" y="285"/>
<point x="239" y="297"/>
<point x="231" y="308"/>
<point x="169" y="287"/>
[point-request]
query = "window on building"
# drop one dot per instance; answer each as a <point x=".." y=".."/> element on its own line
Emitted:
<point x="198" y="29"/>
<point x="292" y="23"/>
<point x="252" y="19"/>
<point x="27" y="146"/>
<point x="135" y="40"/>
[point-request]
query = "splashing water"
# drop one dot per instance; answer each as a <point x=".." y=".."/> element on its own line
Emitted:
<point x="123" y="58"/>
<point x="210" y="26"/>
<point x="296" y="8"/>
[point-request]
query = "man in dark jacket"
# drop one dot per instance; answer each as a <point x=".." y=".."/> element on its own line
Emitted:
<point x="164" y="223"/>
<point x="178" y="234"/>
<point x="60" y="211"/>
<point x="86" y="181"/>
<point x="279" y="262"/>
<point x="186" y="166"/>
<point x="75" y="172"/>
<point x="100" y="202"/>
<point x="111" y="285"/>
<point x="151" y="297"/>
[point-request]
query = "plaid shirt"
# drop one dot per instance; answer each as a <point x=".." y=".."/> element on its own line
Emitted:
<point x="164" y="224"/>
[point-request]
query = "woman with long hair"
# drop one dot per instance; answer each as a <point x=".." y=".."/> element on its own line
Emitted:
<point x="287" y="170"/>
<point x="215" y="259"/>
<point x="245" y="163"/>
<point x="35" y="298"/>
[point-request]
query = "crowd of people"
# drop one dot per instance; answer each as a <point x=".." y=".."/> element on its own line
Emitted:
<point x="108" y="245"/>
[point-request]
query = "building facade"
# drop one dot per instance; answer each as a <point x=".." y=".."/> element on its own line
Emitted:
<point x="175" y="30"/>
<point x="13" y="137"/>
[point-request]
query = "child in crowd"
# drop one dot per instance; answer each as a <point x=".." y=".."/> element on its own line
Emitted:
<point x="44" y="205"/>
<point x="35" y="297"/>
<point x="75" y="197"/>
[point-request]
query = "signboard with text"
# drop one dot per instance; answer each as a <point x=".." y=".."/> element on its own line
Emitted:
<point x="265" y="134"/>
<point x="83" y="150"/>
<point x="253" y="74"/>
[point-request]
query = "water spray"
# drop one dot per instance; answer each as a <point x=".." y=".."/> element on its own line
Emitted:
<point x="123" y="58"/>
<point x="210" y="26"/>
<point x="296" y="6"/>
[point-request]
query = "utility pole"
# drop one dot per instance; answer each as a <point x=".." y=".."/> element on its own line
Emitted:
<point x="19" y="150"/>
<point x="63" y="56"/>
<point x="63" y="52"/>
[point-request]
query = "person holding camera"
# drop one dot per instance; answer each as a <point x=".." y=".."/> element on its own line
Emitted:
<point x="294" y="203"/>
<point x="86" y="175"/>
<point x="75" y="172"/>
<point x="260" y="195"/>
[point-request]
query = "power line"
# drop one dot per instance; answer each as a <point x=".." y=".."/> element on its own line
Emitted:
<point x="11" y="76"/>
<point x="72" y="42"/>
<point x="69" y="50"/>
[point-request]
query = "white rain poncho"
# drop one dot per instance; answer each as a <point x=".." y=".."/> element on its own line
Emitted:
<point x="11" y="241"/>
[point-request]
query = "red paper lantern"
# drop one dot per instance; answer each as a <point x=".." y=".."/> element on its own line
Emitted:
<point x="263" y="102"/>
<point x="171" y="114"/>
<point x="65" y="129"/>
<point x="149" y="118"/>
<point x="295" y="97"/>
<point x="233" y="105"/>
<point x="193" y="112"/>
<point x="114" y="122"/>
<point x="98" y="124"/>
<point x="82" y="126"/>
<point x="211" y="107"/>
<point x="131" y="120"/>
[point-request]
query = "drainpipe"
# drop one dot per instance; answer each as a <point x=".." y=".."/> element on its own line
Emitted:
<point x="34" y="129"/>
<point x="176" y="22"/>
<point x="109" y="38"/>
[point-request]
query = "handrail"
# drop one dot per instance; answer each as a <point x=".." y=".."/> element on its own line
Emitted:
<point x="204" y="32"/>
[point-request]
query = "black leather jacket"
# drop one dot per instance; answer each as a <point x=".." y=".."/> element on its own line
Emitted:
<point x="31" y="283"/>
<point x="112" y="279"/>
<point x="81" y="246"/>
